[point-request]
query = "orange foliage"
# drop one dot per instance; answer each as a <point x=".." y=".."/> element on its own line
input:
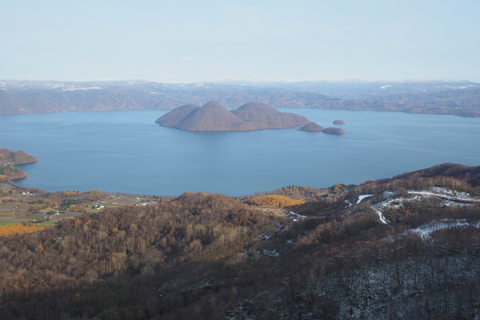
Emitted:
<point x="70" y="193"/>
<point x="12" y="229"/>
<point x="75" y="208"/>
<point x="333" y="251"/>
<point x="275" y="200"/>
<point x="40" y="248"/>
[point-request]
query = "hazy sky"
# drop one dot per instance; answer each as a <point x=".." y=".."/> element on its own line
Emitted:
<point x="189" y="41"/>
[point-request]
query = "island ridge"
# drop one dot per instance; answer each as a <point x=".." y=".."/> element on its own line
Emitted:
<point x="214" y="117"/>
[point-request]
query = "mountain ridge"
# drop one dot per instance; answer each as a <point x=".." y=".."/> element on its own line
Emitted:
<point x="460" y="98"/>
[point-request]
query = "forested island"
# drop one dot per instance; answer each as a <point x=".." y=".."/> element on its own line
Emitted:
<point x="214" y="117"/>
<point x="378" y="250"/>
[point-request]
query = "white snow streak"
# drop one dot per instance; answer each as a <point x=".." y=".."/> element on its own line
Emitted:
<point x="363" y="196"/>
<point x="380" y="215"/>
<point x="463" y="197"/>
<point x="425" y="231"/>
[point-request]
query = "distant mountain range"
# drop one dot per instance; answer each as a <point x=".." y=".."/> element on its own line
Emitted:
<point x="421" y="96"/>
<point x="361" y="88"/>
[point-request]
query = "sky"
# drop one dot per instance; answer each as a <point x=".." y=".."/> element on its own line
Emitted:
<point x="195" y="41"/>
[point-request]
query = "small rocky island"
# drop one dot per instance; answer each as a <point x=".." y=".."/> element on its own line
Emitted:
<point x="338" y="122"/>
<point x="214" y="117"/>
<point x="333" y="130"/>
<point x="312" y="127"/>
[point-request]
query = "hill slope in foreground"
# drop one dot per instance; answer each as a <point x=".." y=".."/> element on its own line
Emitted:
<point x="214" y="117"/>
<point x="401" y="248"/>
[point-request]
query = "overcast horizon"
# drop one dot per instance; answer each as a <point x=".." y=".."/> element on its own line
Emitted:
<point x="221" y="41"/>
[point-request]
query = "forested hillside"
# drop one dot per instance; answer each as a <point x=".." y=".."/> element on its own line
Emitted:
<point x="10" y="158"/>
<point x="15" y="157"/>
<point x="400" y="248"/>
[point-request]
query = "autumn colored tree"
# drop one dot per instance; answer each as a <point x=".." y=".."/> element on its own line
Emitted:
<point x="274" y="201"/>
<point x="18" y="228"/>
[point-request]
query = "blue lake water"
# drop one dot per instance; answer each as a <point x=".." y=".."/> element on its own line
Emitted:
<point x="126" y="151"/>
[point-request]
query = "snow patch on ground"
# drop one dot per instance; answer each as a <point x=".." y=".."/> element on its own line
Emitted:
<point x="263" y="236"/>
<point x="398" y="203"/>
<point x="388" y="194"/>
<point x="289" y="214"/>
<point x="448" y="197"/>
<point x="271" y="253"/>
<point x="425" y="231"/>
<point x="81" y="88"/>
<point x="363" y="196"/>
<point x="295" y="216"/>
<point x="380" y="215"/>
<point x="451" y="195"/>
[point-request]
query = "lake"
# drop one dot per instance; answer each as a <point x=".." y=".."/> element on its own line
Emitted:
<point x="126" y="151"/>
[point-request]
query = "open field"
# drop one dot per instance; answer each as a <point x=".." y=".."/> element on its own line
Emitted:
<point x="19" y="206"/>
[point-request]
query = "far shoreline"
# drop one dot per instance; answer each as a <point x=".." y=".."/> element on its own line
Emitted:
<point x="476" y="115"/>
